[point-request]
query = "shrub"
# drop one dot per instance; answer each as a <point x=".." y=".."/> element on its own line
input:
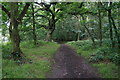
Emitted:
<point x="6" y="50"/>
<point x="96" y="58"/>
<point x="106" y="53"/>
<point x="115" y="57"/>
<point x="100" y="53"/>
<point x="85" y="45"/>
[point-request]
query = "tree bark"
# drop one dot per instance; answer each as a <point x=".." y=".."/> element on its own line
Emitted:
<point x="14" y="32"/>
<point x="116" y="31"/>
<point x="100" y="23"/>
<point x="78" y="25"/>
<point x="15" y="19"/>
<point x="15" y="38"/>
<point x="34" y="29"/>
<point x="78" y="36"/>
<point x="51" y="28"/>
<point x="88" y="31"/>
<point x="48" y="38"/>
<point x="118" y="20"/>
<point x="110" y="25"/>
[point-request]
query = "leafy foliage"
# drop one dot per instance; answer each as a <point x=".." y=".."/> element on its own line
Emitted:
<point x="67" y="22"/>
<point x="106" y="53"/>
<point x="103" y="57"/>
<point x="6" y="50"/>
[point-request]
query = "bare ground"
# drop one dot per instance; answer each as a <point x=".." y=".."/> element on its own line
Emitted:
<point x="69" y="65"/>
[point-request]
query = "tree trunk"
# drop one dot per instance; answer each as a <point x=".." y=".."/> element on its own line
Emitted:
<point x="48" y="38"/>
<point x="110" y="25"/>
<point x="34" y="29"/>
<point x="15" y="18"/>
<point x="118" y="20"/>
<point x="14" y="32"/>
<point x="15" y="39"/>
<point x="116" y="32"/>
<point x="51" y="25"/>
<point x="88" y="31"/>
<point x="51" y="28"/>
<point x="100" y="24"/>
<point x="78" y="36"/>
<point x="78" y="25"/>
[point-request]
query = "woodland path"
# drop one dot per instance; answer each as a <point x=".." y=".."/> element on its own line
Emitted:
<point x="69" y="65"/>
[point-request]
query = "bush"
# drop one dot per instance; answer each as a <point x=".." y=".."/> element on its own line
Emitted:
<point x="6" y="50"/>
<point x="106" y="53"/>
<point x="85" y="45"/>
<point x="98" y="53"/>
<point x="115" y="57"/>
<point x="96" y="58"/>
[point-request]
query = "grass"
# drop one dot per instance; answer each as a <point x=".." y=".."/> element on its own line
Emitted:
<point x="40" y="62"/>
<point x="107" y="70"/>
<point x="85" y="48"/>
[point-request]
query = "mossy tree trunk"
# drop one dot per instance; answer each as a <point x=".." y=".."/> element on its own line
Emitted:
<point x="14" y="32"/>
<point x="15" y="18"/>
<point x="51" y="28"/>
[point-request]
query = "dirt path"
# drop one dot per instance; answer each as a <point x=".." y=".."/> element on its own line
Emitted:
<point x="69" y="65"/>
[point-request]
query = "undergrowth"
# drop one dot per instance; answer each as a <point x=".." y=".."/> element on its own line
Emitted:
<point x="101" y="57"/>
<point x="40" y="57"/>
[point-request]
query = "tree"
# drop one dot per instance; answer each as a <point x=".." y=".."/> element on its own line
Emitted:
<point x="108" y="7"/>
<point x="15" y="19"/>
<point x="78" y="9"/>
<point x="34" y="29"/>
<point x="116" y="32"/>
<point x="78" y="26"/>
<point x="110" y="25"/>
<point x="91" y="36"/>
<point x="100" y="23"/>
<point x="52" y="18"/>
<point x="115" y="29"/>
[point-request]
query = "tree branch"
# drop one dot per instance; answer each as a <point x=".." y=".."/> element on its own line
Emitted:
<point x="5" y="10"/>
<point x="45" y="7"/>
<point x="22" y="14"/>
<point x="56" y="20"/>
<point x="43" y="16"/>
<point x="40" y="9"/>
<point x="59" y="10"/>
<point x="81" y="5"/>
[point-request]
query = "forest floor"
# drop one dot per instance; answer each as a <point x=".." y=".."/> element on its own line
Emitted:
<point x="69" y="60"/>
<point x="69" y="65"/>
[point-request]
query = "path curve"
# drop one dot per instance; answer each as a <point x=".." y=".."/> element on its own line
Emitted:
<point x="69" y="65"/>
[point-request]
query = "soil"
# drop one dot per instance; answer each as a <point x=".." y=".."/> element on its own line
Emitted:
<point x="69" y="65"/>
